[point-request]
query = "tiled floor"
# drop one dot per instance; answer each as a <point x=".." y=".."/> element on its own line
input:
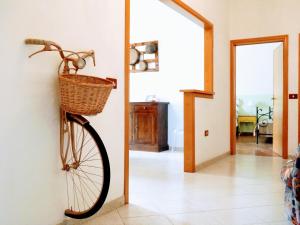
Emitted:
<point x="246" y="145"/>
<point x="239" y="190"/>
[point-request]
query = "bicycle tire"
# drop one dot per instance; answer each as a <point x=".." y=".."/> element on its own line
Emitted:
<point x="106" y="173"/>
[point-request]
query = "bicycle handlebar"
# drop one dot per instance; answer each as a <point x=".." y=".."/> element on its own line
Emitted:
<point x="78" y="62"/>
<point x="32" y="41"/>
<point x="47" y="44"/>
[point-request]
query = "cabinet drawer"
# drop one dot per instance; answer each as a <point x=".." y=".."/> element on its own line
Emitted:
<point x="145" y="108"/>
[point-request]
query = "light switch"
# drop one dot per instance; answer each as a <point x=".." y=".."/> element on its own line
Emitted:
<point x="293" y="96"/>
<point x="206" y="133"/>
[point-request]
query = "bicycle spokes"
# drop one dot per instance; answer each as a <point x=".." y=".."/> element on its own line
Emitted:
<point x="84" y="170"/>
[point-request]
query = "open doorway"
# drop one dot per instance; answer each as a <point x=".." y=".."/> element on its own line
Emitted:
<point x="176" y="62"/>
<point x="172" y="46"/>
<point x="259" y="96"/>
<point x="259" y="99"/>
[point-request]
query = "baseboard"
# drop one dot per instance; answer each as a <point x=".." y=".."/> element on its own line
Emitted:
<point x="107" y="207"/>
<point x="176" y="149"/>
<point x="212" y="161"/>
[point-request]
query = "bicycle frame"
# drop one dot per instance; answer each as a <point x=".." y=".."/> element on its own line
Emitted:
<point x="83" y="154"/>
<point x="65" y="128"/>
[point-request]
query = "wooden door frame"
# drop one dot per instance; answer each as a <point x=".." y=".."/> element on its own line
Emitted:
<point x="189" y="95"/>
<point x="252" y="41"/>
<point x="298" y="89"/>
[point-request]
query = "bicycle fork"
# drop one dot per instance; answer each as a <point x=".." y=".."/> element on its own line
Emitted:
<point x="67" y="132"/>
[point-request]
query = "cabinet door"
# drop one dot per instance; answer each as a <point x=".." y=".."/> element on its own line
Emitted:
<point x="145" y="127"/>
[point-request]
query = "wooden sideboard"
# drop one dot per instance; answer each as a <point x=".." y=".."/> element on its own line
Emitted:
<point x="148" y="126"/>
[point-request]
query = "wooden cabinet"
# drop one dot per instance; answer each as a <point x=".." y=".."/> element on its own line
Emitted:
<point x="149" y="126"/>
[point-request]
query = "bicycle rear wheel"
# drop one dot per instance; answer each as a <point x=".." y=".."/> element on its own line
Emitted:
<point x="87" y="179"/>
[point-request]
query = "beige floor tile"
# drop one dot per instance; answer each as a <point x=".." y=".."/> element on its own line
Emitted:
<point x="149" y="220"/>
<point x="202" y="218"/>
<point x="240" y="190"/>
<point x="275" y="223"/>
<point x="111" y="218"/>
<point x="238" y="217"/>
<point x="271" y="214"/>
<point x="132" y="210"/>
<point x="280" y="223"/>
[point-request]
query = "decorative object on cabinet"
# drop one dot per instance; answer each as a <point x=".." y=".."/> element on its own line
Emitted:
<point x="144" y="57"/>
<point x="149" y="126"/>
<point x="151" y="98"/>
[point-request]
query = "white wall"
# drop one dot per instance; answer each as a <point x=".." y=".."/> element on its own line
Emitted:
<point x="254" y="63"/>
<point x="181" y="63"/>
<point x="254" y="76"/>
<point x="213" y="114"/>
<point x="32" y="186"/>
<point x="272" y="17"/>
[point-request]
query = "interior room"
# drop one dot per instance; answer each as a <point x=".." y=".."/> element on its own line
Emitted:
<point x="258" y="98"/>
<point x="156" y="103"/>
<point x="71" y="70"/>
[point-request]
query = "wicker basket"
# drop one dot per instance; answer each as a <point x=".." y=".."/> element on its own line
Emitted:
<point x="84" y="95"/>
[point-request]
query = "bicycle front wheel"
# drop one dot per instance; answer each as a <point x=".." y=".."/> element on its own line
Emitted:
<point x="88" y="177"/>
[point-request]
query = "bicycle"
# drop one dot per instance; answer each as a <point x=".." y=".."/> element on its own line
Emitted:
<point x="82" y="152"/>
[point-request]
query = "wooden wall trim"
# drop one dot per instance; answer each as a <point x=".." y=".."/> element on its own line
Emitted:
<point x="189" y="132"/>
<point x="189" y="126"/>
<point x="259" y="40"/>
<point x="126" y="100"/>
<point x="299" y="89"/>
<point x="285" y="121"/>
<point x="199" y="93"/>
<point x="232" y="98"/>
<point x="249" y="41"/>
<point x="191" y="11"/>
<point x="209" y="59"/>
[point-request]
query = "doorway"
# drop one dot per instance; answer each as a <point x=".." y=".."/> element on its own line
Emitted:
<point x="264" y="114"/>
<point x="176" y="63"/>
<point x="259" y="99"/>
<point x="189" y="94"/>
<point x="156" y="103"/>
